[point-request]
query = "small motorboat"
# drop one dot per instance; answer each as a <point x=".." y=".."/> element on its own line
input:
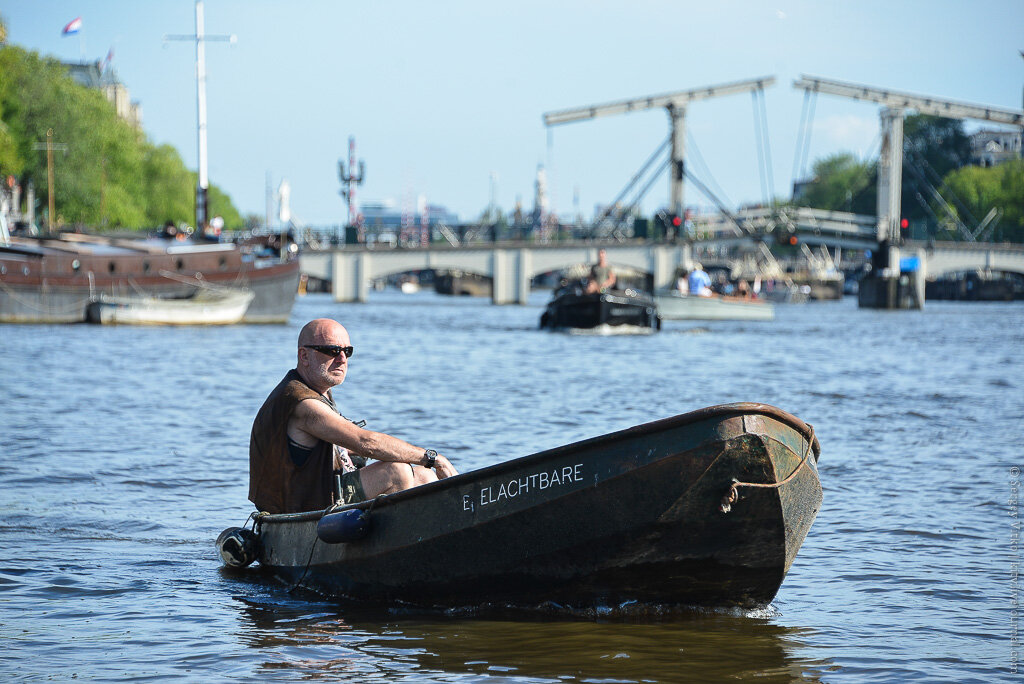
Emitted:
<point x="205" y="306"/>
<point x="612" y="312"/>
<point x="686" y="307"/>
<point x="706" y="508"/>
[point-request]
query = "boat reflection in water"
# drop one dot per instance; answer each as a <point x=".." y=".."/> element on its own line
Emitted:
<point x="309" y="638"/>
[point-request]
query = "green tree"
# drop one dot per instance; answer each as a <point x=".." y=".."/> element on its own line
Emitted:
<point x="220" y="205"/>
<point x="982" y="189"/>
<point x="110" y="175"/>
<point x="933" y="147"/>
<point x="842" y="183"/>
<point x="168" y="187"/>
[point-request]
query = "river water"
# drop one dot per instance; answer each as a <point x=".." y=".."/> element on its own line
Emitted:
<point x="123" y="453"/>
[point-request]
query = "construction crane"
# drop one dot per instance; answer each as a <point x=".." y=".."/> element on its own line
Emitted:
<point x="894" y="107"/>
<point x="673" y="103"/>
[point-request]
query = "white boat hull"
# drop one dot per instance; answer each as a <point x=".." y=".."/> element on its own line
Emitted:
<point x="205" y="308"/>
<point x="678" y="307"/>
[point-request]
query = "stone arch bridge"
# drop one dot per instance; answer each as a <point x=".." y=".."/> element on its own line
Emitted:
<point x="510" y="265"/>
<point x="513" y="265"/>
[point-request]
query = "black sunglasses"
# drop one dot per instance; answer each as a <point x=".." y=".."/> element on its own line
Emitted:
<point x="332" y="350"/>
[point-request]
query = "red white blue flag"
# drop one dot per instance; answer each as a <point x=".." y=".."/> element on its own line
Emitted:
<point x="74" y="26"/>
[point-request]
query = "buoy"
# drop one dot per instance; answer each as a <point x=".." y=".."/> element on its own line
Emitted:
<point x="343" y="527"/>
<point x="238" y="547"/>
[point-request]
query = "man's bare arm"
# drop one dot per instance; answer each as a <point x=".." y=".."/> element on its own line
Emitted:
<point x="319" y="420"/>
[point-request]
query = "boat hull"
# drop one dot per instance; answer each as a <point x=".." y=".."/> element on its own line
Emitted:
<point x="631" y="516"/>
<point x="205" y="308"/>
<point x="53" y="281"/>
<point x="678" y="307"/>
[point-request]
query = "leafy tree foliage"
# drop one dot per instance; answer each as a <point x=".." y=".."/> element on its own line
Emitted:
<point x="842" y="183"/>
<point x="932" y="148"/>
<point x="982" y="189"/>
<point x="936" y="155"/>
<point x="110" y="175"/>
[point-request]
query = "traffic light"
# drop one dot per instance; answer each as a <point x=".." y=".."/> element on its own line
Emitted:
<point x="787" y="237"/>
<point x="668" y="224"/>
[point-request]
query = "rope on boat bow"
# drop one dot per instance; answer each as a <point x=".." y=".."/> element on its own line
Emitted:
<point x="733" y="495"/>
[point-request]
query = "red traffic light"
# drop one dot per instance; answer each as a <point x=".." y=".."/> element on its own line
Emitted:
<point x="904" y="224"/>
<point x="793" y="240"/>
<point x="676" y="221"/>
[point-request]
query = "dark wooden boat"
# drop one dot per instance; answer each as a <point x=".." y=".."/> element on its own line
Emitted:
<point x="614" y="311"/>
<point x="53" y="280"/>
<point x="462" y="284"/>
<point x="706" y="508"/>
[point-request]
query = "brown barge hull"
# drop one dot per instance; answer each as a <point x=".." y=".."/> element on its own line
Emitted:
<point x="53" y="281"/>
<point x="630" y="516"/>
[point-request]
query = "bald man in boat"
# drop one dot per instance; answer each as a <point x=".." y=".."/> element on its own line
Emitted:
<point x="305" y="456"/>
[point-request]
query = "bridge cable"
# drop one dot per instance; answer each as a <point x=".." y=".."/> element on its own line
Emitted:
<point x="943" y="185"/>
<point x="691" y="143"/>
<point x="711" y="196"/>
<point x="764" y="151"/>
<point x="810" y="131"/>
<point x="759" y="144"/>
<point x="767" y="146"/>
<point x="803" y="137"/>
<point x="606" y="212"/>
<point x="912" y="160"/>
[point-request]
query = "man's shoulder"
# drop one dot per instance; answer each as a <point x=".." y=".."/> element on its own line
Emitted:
<point x="290" y="391"/>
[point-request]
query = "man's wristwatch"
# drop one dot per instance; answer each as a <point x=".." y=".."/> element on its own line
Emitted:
<point x="431" y="457"/>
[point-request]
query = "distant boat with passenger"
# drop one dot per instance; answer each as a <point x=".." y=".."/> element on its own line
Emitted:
<point x="625" y="311"/>
<point x="707" y="508"/>
<point x="675" y="306"/>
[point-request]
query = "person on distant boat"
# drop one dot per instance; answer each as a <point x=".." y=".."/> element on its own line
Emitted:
<point x="682" y="281"/>
<point x="304" y="455"/>
<point x="700" y="282"/>
<point x="602" y="276"/>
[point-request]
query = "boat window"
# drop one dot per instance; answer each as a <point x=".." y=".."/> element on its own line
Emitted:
<point x="145" y="267"/>
<point x="181" y="264"/>
<point x="112" y="267"/>
<point x="222" y="264"/>
<point x="75" y="265"/>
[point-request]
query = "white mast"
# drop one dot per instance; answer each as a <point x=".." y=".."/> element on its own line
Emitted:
<point x="203" y="183"/>
<point x="203" y="179"/>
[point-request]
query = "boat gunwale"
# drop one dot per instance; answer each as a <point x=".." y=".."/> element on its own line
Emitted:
<point x="721" y="411"/>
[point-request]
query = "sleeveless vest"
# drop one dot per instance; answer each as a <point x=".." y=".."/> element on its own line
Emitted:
<point x="276" y="484"/>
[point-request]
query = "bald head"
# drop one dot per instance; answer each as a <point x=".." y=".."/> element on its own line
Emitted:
<point x="320" y="370"/>
<point x="321" y="331"/>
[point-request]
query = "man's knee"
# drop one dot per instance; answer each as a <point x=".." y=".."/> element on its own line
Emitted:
<point x="423" y="476"/>
<point x="401" y="476"/>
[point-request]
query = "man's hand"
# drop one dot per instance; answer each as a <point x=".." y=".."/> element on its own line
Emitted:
<point x="444" y="468"/>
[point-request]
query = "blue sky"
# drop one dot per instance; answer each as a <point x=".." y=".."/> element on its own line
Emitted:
<point x="442" y="95"/>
